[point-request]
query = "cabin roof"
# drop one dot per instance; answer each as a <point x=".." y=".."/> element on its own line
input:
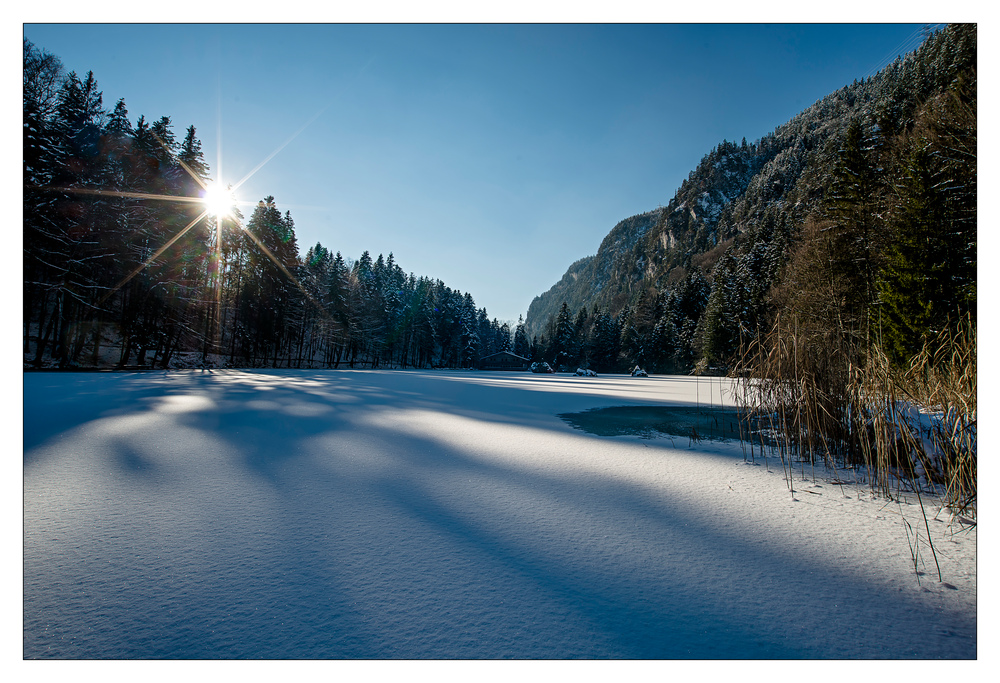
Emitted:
<point x="505" y="353"/>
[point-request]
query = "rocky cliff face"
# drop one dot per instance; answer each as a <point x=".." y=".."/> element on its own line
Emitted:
<point x="606" y="275"/>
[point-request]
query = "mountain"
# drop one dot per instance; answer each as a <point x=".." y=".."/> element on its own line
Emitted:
<point x="736" y="222"/>
<point x="604" y="273"/>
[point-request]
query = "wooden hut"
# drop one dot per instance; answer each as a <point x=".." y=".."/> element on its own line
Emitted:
<point x="505" y="360"/>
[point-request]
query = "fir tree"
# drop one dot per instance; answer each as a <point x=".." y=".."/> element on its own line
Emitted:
<point x="190" y="153"/>
<point x="926" y="278"/>
<point x="162" y="129"/>
<point x="118" y="122"/>
<point x="522" y="345"/>
<point x="562" y="343"/>
<point x="604" y="348"/>
<point x="852" y="206"/>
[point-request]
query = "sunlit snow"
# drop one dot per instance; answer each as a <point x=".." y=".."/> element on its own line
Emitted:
<point x="354" y="514"/>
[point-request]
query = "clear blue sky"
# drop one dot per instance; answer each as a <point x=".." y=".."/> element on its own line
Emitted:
<point x="489" y="156"/>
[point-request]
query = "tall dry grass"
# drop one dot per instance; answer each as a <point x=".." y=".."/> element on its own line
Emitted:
<point x="826" y="397"/>
<point x="942" y="378"/>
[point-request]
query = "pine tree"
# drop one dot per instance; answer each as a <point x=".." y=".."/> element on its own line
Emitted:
<point x="162" y="129"/>
<point x="144" y="141"/>
<point x="268" y="295"/>
<point x="504" y="340"/>
<point x="722" y="330"/>
<point x="604" y="352"/>
<point x="424" y="332"/>
<point x="118" y="122"/>
<point x="562" y="342"/>
<point x="522" y="345"/>
<point x="579" y="348"/>
<point x="41" y="76"/>
<point x="852" y="206"/>
<point x="927" y="278"/>
<point x="73" y="232"/>
<point x="190" y="153"/>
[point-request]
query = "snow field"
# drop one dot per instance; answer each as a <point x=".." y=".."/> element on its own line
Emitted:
<point x="406" y="514"/>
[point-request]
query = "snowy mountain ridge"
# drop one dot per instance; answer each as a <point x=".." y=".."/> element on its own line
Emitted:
<point x="744" y="206"/>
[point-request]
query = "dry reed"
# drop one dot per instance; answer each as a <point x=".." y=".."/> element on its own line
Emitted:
<point x="835" y="398"/>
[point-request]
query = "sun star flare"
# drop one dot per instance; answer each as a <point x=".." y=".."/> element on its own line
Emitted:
<point x="219" y="200"/>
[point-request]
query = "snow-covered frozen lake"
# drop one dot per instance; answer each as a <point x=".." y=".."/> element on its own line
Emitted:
<point x="408" y="514"/>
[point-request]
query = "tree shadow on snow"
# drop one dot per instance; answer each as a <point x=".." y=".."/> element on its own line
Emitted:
<point x="588" y="566"/>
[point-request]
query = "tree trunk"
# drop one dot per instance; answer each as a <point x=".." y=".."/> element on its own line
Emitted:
<point x="96" y="353"/>
<point x="43" y="338"/>
<point x="126" y="350"/>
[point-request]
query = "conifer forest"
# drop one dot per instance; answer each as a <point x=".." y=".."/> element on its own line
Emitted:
<point x="123" y="269"/>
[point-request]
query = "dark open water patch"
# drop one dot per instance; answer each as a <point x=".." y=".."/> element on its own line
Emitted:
<point x="690" y="422"/>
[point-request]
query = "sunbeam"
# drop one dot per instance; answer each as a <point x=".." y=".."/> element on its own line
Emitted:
<point x="218" y="200"/>
<point x="281" y="266"/>
<point x="280" y="147"/>
<point x="194" y="176"/>
<point x="152" y="258"/>
<point x="123" y="194"/>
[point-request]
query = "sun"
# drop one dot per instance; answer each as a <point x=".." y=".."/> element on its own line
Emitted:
<point x="219" y="201"/>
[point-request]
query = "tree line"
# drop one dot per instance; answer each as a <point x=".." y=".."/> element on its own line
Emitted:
<point x="121" y="268"/>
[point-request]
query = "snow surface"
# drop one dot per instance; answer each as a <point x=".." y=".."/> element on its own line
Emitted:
<point x="410" y="514"/>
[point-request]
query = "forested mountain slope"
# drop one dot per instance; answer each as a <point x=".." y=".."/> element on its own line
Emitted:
<point x="590" y="275"/>
<point x="685" y="282"/>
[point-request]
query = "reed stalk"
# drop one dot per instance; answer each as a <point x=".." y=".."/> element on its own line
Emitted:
<point x="836" y="398"/>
